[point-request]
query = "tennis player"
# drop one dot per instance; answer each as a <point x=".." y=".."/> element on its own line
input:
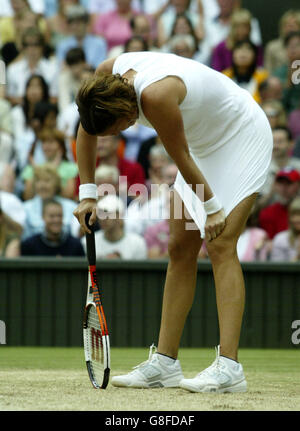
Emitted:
<point x="219" y="138"/>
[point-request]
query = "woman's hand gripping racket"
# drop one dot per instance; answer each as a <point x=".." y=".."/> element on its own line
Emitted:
<point x="95" y="333"/>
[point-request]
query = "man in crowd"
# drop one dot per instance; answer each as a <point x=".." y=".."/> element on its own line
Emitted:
<point x="53" y="241"/>
<point x="112" y="241"/>
<point x="274" y="218"/>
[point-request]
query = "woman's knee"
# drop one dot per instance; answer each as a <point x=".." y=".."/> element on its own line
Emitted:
<point x="221" y="249"/>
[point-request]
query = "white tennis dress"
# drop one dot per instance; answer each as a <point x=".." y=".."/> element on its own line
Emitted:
<point x="227" y="132"/>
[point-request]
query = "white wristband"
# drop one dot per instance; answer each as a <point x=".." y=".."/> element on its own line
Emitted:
<point x="212" y="205"/>
<point x="88" y="191"/>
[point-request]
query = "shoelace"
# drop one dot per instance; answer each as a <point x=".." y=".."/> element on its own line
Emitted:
<point x="152" y="350"/>
<point x="215" y="367"/>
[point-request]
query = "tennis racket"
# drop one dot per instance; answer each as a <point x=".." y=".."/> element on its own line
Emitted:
<point x="95" y="333"/>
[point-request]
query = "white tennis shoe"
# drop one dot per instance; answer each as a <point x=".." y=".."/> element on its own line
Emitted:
<point x="153" y="373"/>
<point x="224" y="375"/>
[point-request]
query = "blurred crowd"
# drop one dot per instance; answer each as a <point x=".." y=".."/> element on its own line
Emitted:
<point x="49" y="47"/>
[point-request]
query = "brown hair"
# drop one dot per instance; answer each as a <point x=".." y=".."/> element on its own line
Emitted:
<point x="102" y="100"/>
<point x="55" y="135"/>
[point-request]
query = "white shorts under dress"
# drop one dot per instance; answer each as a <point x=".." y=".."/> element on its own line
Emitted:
<point x="227" y="132"/>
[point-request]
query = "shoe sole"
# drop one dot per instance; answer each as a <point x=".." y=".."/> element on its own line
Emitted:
<point x="238" y="387"/>
<point x="153" y="385"/>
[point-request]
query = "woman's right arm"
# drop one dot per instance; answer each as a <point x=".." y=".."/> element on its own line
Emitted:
<point x="86" y="159"/>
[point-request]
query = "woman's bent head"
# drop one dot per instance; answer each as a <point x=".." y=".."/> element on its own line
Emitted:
<point x="106" y="102"/>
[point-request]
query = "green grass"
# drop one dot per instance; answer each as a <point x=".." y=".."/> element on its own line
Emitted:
<point x="33" y="378"/>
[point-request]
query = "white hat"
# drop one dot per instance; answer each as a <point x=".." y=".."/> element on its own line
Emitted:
<point x="111" y="204"/>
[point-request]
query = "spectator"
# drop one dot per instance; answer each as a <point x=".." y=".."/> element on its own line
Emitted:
<point x="274" y="218"/>
<point x="275" y="112"/>
<point x="182" y="26"/>
<point x="112" y="241"/>
<point x="97" y="7"/>
<point x="47" y="185"/>
<point x="240" y="30"/>
<point x="291" y="89"/>
<point x="184" y="46"/>
<point x="253" y="243"/>
<point x="217" y="28"/>
<point x="270" y="89"/>
<point x="275" y="52"/>
<point x="7" y="174"/>
<point x="281" y="157"/>
<point x="54" y="149"/>
<point x="141" y="26"/>
<point x="286" y="244"/>
<point x="70" y="78"/>
<point x="157" y="235"/>
<point x="107" y="153"/>
<point x="58" y="23"/>
<point x="9" y="239"/>
<point x="152" y="208"/>
<point x="31" y="62"/>
<point x="68" y="118"/>
<point x="12" y="28"/>
<point x="28" y="146"/>
<point x="135" y="44"/>
<point x="167" y="20"/>
<point x="294" y="123"/>
<point x="107" y="180"/>
<point x="36" y="90"/>
<point x="244" y="70"/>
<point x="53" y="240"/>
<point x="114" y="26"/>
<point x="158" y="159"/>
<point x="134" y="138"/>
<point x="94" y="47"/>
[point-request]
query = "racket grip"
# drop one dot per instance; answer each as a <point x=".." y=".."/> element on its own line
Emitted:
<point x="90" y="242"/>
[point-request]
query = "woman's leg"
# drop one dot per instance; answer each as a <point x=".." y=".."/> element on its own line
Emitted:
<point x="229" y="280"/>
<point x="184" y="246"/>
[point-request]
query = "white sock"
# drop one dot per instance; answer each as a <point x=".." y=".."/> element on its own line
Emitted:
<point x="166" y="359"/>
<point x="229" y="362"/>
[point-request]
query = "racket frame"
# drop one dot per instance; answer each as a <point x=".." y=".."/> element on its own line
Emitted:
<point x="94" y="300"/>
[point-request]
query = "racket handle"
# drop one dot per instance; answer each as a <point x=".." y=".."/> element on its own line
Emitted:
<point x="90" y="242"/>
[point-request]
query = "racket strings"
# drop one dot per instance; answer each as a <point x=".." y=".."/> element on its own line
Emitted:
<point x="94" y="344"/>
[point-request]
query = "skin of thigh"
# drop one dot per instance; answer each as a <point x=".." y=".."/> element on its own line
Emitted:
<point x="182" y="240"/>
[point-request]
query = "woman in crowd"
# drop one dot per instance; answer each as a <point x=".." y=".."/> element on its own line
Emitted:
<point x="167" y="21"/>
<point x="244" y="70"/>
<point x="54" y="149"/>
<point x="286" y="244"/>
<point x="37" y="90"/>
<point x="240" y="30"/>
<point x="275" y="52"/>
